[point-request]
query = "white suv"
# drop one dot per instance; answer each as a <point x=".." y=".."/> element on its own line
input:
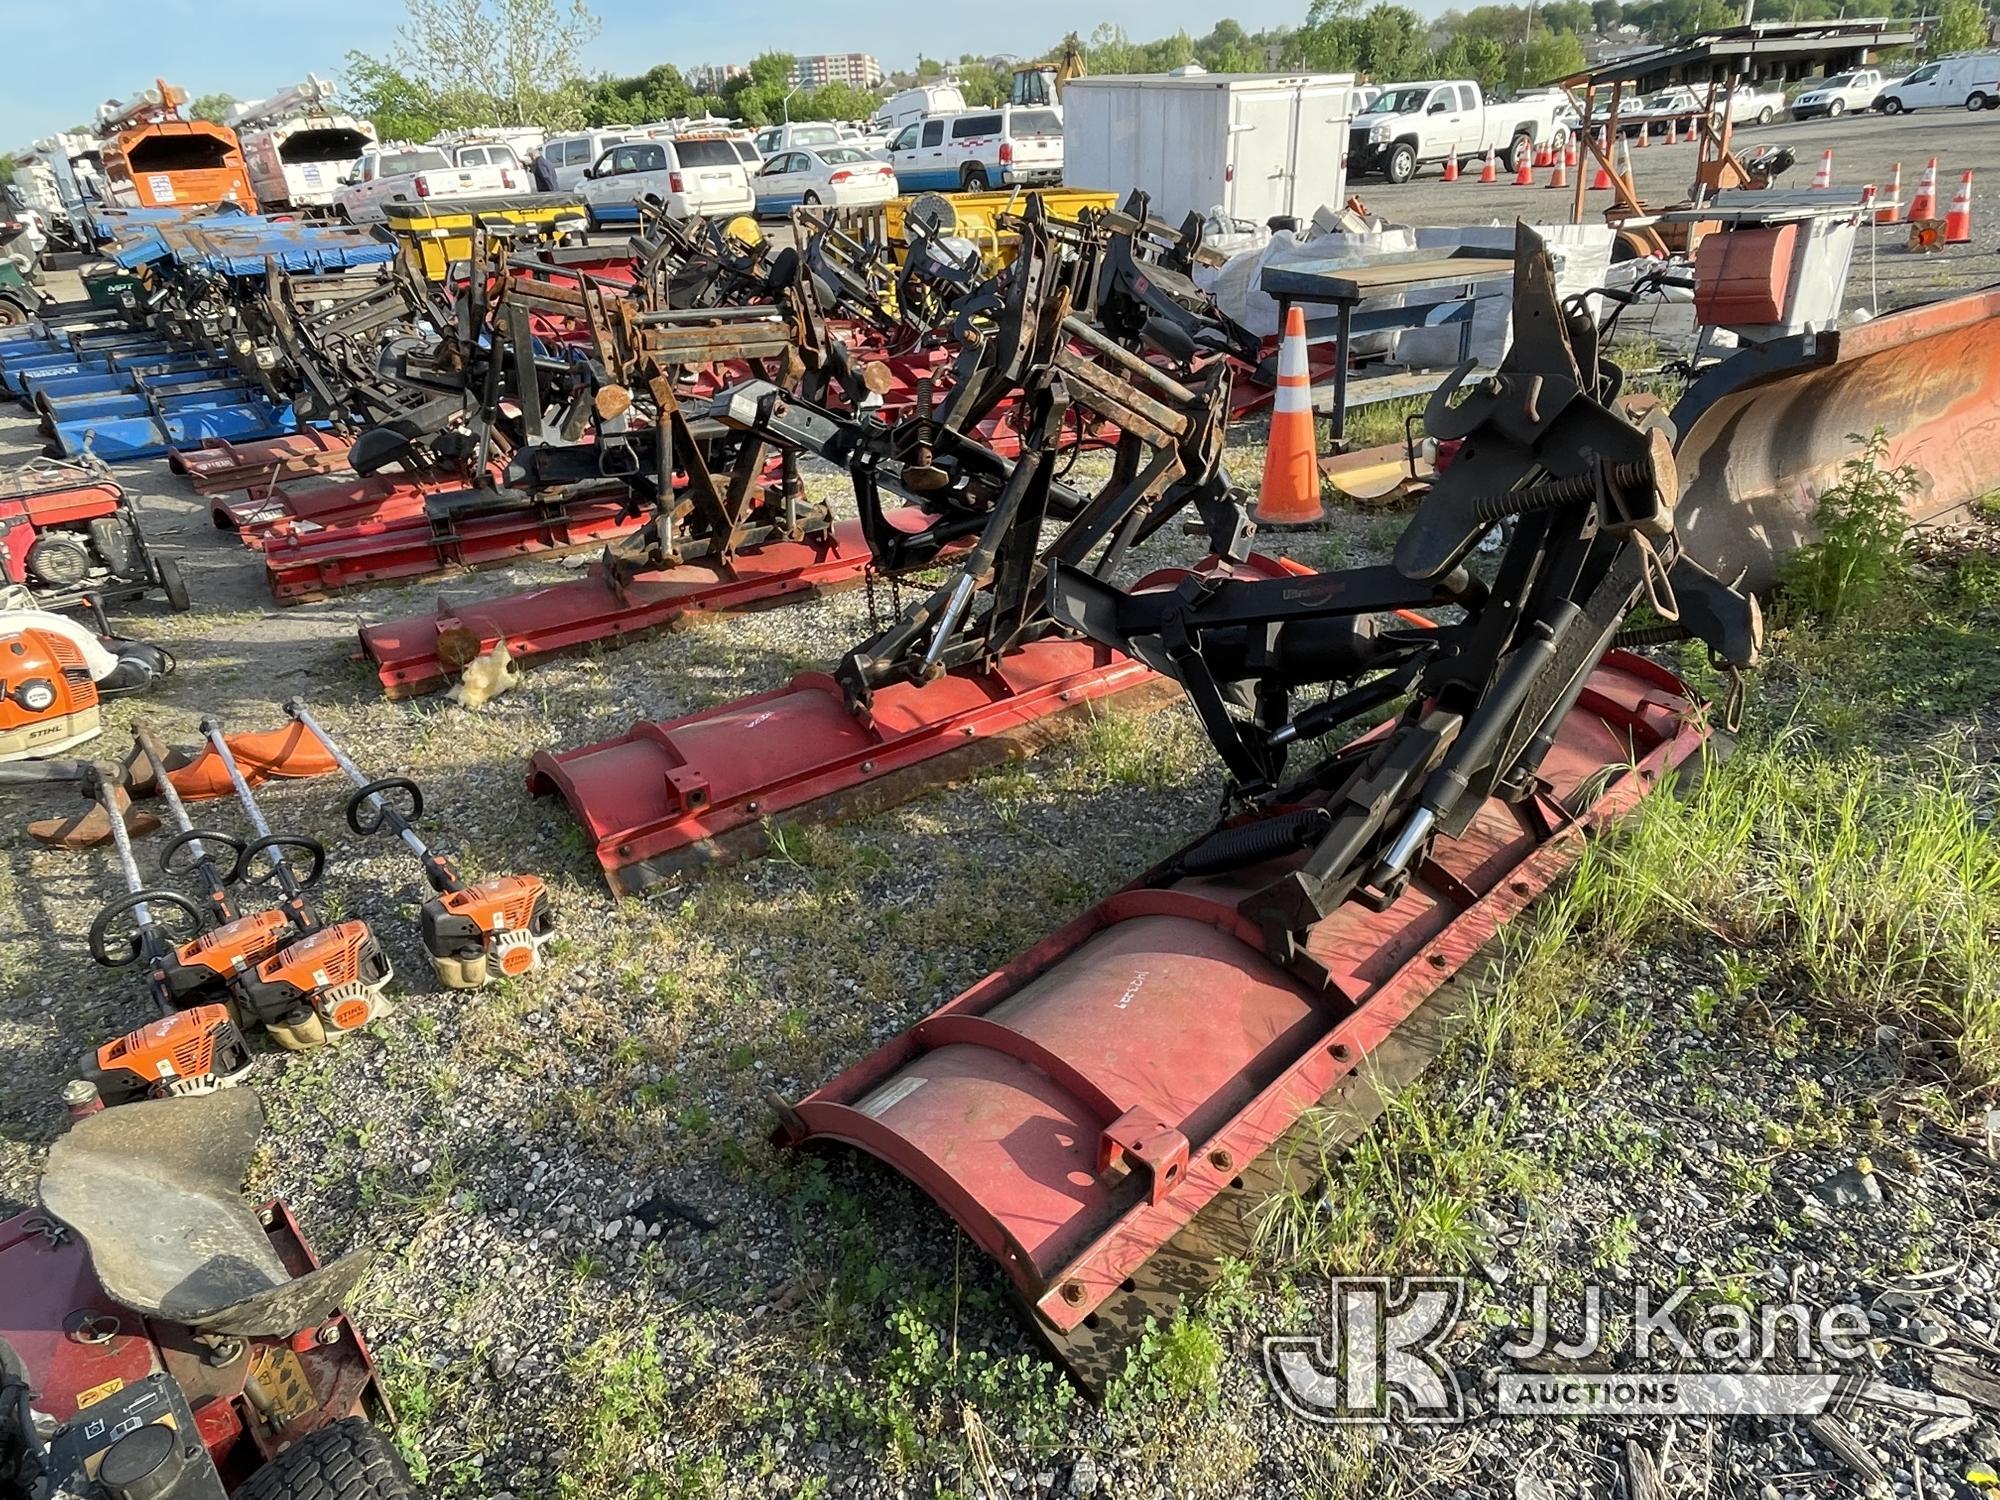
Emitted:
<point x="979" y="149"/>
<point x="1835" y="96"/>
<point x="698" y="177"/>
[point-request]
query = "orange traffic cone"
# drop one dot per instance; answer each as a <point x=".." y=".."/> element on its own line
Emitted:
<point x="1601" y="183"/>
<point x="1645" y="134"/>
<point x="1451" y="164"/>
<point x="1885" y="212"/>
<point x="1924" y="205"/>
<point x="1491" y="171"/>
<point x="1289" y="495"/>
<point x="1524" y="175"/>
<point x="1958" y="223"/>
<point x="1542" y="156"/>
<point x="1823" y="178"/>
<point x="1867" y="201"/>
<point x="1559" y="178"/>
<point x="1625" y="165"/>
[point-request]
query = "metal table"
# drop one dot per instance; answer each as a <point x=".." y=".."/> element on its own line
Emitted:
<point x="1348" y="288"/>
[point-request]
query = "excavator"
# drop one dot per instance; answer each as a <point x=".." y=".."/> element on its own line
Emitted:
<point x="1042" y="83"/>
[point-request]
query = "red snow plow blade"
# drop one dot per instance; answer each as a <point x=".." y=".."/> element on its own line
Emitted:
<point x="672" y="797"/>
<point x="423" y="653"/>
<point x="219" y="466"/>
<point x="1076" y="1110"/>
<point x="1766" y="431"/>
<point x="321" y="502"/>
<point x="453" y="532"/>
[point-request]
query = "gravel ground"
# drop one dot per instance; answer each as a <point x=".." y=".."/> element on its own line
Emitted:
<point x="595" y="1276"/>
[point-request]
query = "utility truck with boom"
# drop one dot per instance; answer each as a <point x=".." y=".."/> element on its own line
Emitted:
<point x="297" y="145"/>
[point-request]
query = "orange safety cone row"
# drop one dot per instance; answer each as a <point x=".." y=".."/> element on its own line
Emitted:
<point x="1958" y="223"/>
<point x="1823" y="178"/>
<point x="1924" y="205"/>
<point x="1451" y="164"/>
<point x="1524" y="175"/>
<point x="1491" y="171"/>
<point x="1289" y="495"/>
<point x="1886" y="211"/>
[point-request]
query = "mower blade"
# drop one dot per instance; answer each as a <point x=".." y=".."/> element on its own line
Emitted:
<point x="89" y="827"/>
<point x="667" y="798"/>
<point x="1077" y="1110"/>
<point x="565" y="616"/>
<point x="288" y="754"/>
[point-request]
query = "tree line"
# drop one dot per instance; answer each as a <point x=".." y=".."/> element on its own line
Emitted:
<point x="463" y="63"/>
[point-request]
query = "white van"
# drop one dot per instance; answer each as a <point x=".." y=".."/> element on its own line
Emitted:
<point x="1965" y="80"/>
<point x="798" y="135"/>
<point x="699" y="176"/>
<point x="570" y="156"/>
<point x="913" y="104"/>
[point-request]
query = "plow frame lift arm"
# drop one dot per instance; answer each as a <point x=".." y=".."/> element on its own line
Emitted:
<point x="1106" y="1114"/>
<point x="1590" y="498"/>
<point x="986" y="511"/>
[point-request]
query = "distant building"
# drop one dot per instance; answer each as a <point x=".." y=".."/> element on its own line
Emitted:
<point x="710" y="77"/>
<point x="857" y="68"/>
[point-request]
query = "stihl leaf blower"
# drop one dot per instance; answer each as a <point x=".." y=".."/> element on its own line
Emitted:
<point x="472" y="932"/>
<point x="327" y="978"/>
<point x="195" y="1046"/>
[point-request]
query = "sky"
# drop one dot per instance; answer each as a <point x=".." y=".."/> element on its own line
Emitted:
<point x="85" y="54"/>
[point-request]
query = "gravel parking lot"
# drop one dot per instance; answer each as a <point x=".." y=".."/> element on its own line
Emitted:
<point x="1865" y="149"/>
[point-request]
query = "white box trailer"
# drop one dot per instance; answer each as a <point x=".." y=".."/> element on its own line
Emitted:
<point x="1256" y="145"/>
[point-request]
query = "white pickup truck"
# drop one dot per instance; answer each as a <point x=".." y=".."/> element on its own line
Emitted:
<point x="1409" y="124"/>
<point x="409" y="174"/>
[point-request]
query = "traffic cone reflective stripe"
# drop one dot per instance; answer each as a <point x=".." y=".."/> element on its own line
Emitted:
<point x="1645" y="134"/>
<point x="1958" y="223"/>
<point x="1823" y="178"/>
<point x="1924" y="205"/>
<point x="1491" y="171"/>
<point x="1885" y="212"/>
<point x="1289" y="495"/>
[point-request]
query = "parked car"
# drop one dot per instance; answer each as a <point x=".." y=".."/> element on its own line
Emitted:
<point x="570" y="156"/>
<point x="1835" y="95"/>
<point x="1414" y="123"/>
<point x="1967" y="79"/>
<point x="979" y="149"/>
<point x="696" y="175"/>
<point x="796" y="135"/>
<point x="832" y="174"/>
<point x="405" y="174"/>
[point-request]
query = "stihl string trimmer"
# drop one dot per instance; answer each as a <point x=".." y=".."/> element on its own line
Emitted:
<point x="195" y="1046"/>
<point x="215" y="962"/>
<point x="327" y="978"/>
<point x="471" y="931"/>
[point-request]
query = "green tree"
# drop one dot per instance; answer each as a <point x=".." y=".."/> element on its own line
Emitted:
<point x="1605" y="14"/>
<point x="490" y="62"/>
<point x="402" y="108"/>
<point x="1961" y="27"/>
<point x="659" y="93"/>
<point x="213" y="108"/>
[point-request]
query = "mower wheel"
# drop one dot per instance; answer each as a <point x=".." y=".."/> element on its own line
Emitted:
<point x="347" y="1460"/>
<point x="175" y="586"/>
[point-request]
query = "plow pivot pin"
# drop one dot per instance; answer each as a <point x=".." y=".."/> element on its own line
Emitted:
<point x="1406" y="843"/>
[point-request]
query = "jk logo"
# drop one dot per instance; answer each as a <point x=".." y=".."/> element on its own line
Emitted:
<point x="1381" y="1361"/>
